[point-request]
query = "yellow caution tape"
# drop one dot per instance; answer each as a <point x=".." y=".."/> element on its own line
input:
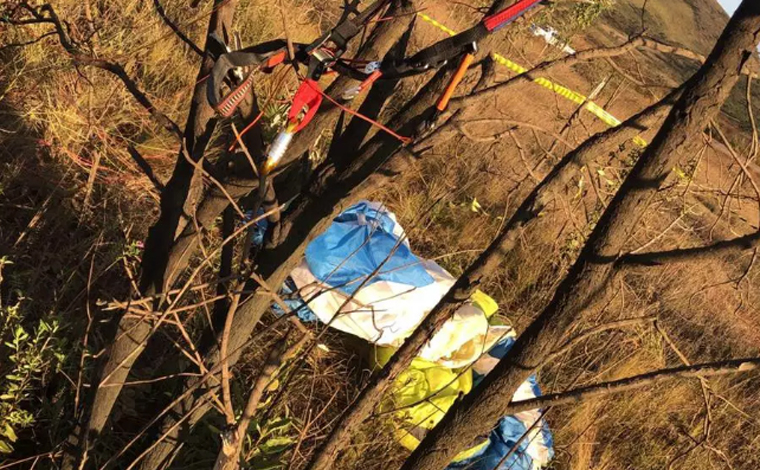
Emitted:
<point x="438" y="25"/>
<point x="576" y="98"/>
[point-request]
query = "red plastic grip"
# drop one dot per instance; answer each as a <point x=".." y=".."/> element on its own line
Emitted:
<point x="509" y="14"/>
<point x="274" y="61"/>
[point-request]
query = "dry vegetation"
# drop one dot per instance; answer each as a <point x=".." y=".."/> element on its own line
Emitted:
<point x="75" y="206"/>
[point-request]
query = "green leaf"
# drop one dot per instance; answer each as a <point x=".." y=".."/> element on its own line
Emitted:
<point x="10" y="433"/>
<point x="20" y="334"/>
<point x="5" y="448"/>
<point x="6" y="396"/>
<point x="277" y="444"/>
<point x="279" y="424"/>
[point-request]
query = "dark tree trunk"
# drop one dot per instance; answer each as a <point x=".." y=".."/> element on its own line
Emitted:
<point x="330" y="191"/>
<point x="131" y="335"/>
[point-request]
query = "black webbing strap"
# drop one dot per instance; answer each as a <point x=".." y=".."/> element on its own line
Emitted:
<point x="250" y="56"/>
<point x="448" y="48"/>
<point x="435" y="55"/>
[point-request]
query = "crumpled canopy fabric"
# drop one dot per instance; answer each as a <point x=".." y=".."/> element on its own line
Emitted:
<point x="361" y="277"/>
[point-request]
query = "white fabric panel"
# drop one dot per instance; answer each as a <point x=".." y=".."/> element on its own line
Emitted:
<point x="386" y="313"/>
<point x="383" y="312"/>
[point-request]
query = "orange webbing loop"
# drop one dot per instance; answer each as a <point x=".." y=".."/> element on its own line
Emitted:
<point x="443" y="101"/>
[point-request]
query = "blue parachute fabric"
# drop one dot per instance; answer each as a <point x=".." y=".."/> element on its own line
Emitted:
<point x="499" y="350"/>
<point x="259" y="229"/>
<point x="359" y="241"/>
<point x="496" y="456"/>
<point x="294" y="302"/>
<point x="508" y="432"/>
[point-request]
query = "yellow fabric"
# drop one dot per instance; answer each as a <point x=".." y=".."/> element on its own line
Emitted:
<point x="484" y="302"/>
<point x="426" y="390"/>
<point x="577" y="98"/>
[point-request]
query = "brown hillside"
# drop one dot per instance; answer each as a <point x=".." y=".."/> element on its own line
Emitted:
<point x="76" y="206"/>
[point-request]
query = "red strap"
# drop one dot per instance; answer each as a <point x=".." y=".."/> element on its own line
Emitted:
<point x="404" y="140"/>
<point x="229" y="104"/>
<point x="308" y="94"/>
<point x="371" y="79"/>
<point x="507" y="15"/>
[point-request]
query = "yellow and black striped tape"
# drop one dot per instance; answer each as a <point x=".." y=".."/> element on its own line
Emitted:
<point x="571" y="95"/>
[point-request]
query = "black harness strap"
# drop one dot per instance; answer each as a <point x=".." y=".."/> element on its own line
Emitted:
<point x="247" y="57"/>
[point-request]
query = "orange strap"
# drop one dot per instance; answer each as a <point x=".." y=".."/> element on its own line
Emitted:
<point x="370" y="80"/>
<point x="443" y="101"/>
<point x="401" y="138"/>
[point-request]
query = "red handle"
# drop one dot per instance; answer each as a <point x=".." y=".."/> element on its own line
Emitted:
<point x="508" y="15"/>
<point x="274" y="61"/>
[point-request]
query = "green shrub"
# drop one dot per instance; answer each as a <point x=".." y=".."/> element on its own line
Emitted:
<point x="31" y="355"/>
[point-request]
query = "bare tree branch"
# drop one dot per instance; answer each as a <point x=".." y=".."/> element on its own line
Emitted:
<point x="132" y="334"/>
<point x="584" y="335"/>
<point x="690" y="255"/>
<point x="701" y="101"/>
<point x="80" y="58"/>
<point x="583" y="56"/>
<point x="710" y="369"/>
<point x="232" y="440"/>
<point x="173" y="26"/>
<point x="474" y="276"/>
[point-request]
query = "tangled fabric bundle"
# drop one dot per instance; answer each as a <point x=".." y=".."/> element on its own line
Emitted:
<point x="361" y="277"/>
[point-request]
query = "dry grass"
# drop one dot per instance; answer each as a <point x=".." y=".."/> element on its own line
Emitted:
<point x="71" y="250"/>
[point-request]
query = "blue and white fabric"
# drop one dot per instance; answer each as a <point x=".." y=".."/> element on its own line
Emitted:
<point x="361" y="277"/>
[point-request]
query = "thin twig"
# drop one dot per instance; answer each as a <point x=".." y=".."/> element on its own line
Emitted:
<point x="229" y="412"/>
<point x="742" y="165"/>
<point x="173" y="26"/>
<point x="615" y="325"/>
